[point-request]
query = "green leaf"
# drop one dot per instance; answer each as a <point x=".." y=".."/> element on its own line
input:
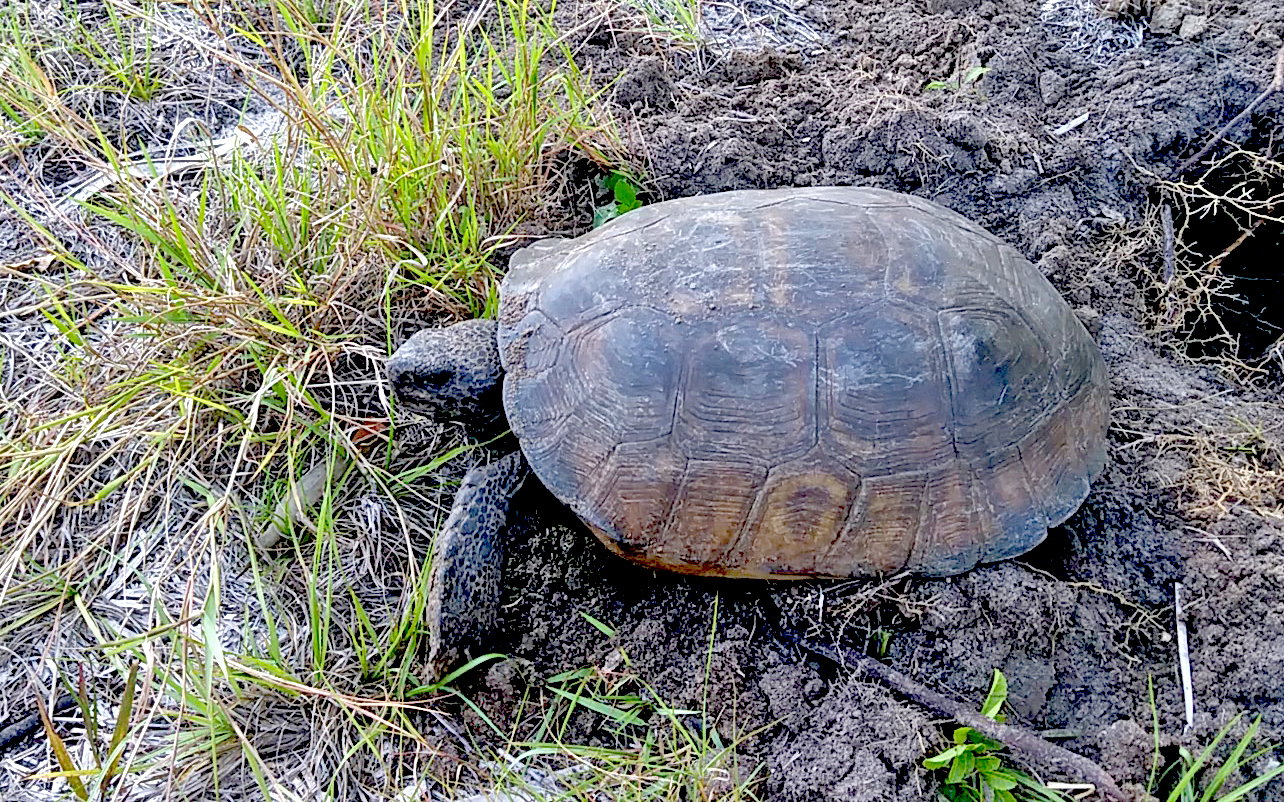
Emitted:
<point x="1252" y="785"/>
<point x="944" y="758"/>
<point x="1195" y="765"/>
<point x="598" y="625"/>
<point x="996" y="697"/>
<point x="69" y="771"/>
<point x="122" y="722"/>
<point x="936" y="762"/>
<point x="605" y="214"/>
<point x="464" y="669"/>
<point x="623" y="716"/>
<point x="626" y="196"/>
<point x="625" y="191"/>
<point x="573" y="674"/>
<point x="962" y="768"/>
<point x="1037" y="790"/>
<point x="988" y="744"/>
<point x="957" y="793"/>
<point x="988" y="763"/>
<point x="1231" y="763"/>
<point x="999" y="780"/>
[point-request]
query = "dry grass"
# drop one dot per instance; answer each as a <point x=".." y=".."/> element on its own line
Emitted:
<point x="1191" y="287"/>
<point x="210" y="212"/>
<point x="1225" y="454"/>
<point x="1084" y="28"/>
<point x="1217" y="451"/>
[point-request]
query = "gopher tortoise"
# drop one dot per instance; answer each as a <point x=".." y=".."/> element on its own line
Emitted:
<point x="820" y="382"/>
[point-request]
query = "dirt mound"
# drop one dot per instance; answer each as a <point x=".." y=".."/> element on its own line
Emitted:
<point x="1060" y="130"/>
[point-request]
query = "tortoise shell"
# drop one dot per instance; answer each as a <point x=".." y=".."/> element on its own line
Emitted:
<point x="801" y="382"/>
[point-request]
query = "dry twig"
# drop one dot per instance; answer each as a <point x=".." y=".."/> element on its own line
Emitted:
<point x="1026" y="744"/>
<point x="1277" y="83"/>
<point x="1183" y="659"/>
<point x="1170" y="265"/>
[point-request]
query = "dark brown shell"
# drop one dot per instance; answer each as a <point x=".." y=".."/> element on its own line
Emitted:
<point x="801" y="382"/>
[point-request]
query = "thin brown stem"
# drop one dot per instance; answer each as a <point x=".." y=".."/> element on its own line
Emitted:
<point x="1022" y="742"/>
<point x="1277" y="83"/>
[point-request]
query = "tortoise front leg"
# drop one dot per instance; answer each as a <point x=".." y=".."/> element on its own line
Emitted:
<point x="467" y="563"/>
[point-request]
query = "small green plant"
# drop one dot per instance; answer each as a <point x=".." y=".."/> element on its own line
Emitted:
<point x="975" y="770"/>
<point x="646" y="748"/>
<point x="624" y="193"/>
<point x="676" y="20"/>
<point x="1194" y="782"/>
<point x="957" y="85"/>
<point x="1187" y="780"/>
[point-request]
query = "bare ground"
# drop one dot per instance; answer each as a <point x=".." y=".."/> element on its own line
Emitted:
<point x="1084" y="623"/>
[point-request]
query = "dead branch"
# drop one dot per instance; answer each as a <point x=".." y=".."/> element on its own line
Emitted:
<point x="1277" y="83"/>
<point x="1024" y="743"/>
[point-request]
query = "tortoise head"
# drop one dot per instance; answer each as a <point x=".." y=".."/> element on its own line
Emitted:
<point x="452" y="374"/>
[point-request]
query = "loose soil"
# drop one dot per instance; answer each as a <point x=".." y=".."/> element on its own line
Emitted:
<point x="1084" y="625"/>
<point x="1060" y="130"/>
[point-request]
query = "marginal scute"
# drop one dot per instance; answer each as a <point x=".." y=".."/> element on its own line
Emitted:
<point x="956" y="516"/>
<point x="569" y="453"/>
<point x="1018" y="510"/>
<point x="590" y="284"/>
<point x="712" y="505"/>
<point x="798" y="515"/>
<point x="835" y="381"/>
<point x="882" y="527"/>
<point x="635" y="495"/>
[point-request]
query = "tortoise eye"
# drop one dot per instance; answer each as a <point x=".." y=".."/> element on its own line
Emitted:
<point x="436" y="378"/>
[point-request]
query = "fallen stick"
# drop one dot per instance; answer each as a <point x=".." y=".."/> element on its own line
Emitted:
<point x="21" y="728"/>
<point x="1183" y="659"/>
<point x="1277" y="83"/>
<point x="1024" y="743"/>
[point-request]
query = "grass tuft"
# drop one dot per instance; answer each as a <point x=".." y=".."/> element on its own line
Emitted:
<point x="193" y="334"/>
<point x="643" y="747"/>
